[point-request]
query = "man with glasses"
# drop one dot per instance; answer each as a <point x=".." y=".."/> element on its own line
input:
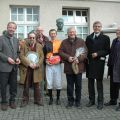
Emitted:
<point x="32" y="70"/>
<point x="98" y="46"/>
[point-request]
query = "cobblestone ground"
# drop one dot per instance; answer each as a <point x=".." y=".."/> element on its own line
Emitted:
<point x="59" y="112"/>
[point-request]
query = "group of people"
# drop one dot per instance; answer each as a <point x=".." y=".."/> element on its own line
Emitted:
<point x="77" y="56"/>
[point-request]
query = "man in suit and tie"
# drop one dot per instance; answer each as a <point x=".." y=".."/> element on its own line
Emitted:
<point x="98" y="46"/>
<point x="9" y="60"/>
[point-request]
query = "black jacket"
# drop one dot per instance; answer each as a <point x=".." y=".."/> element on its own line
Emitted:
<point x="100" y="45"/>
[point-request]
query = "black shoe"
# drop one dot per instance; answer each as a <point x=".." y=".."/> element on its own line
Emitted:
<point x="100" y="107"/>
<point x="51" y="101"/>
<point x="69" y="105"/>
<point x="77" y="105"/>
<point x="110" y="103"/>
<point x="58" y="102"/>
<point x="90" y="104"/>
<point x="117" y="108"/>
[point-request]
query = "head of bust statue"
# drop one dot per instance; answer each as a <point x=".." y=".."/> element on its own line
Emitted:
<point x="60" y="24"/>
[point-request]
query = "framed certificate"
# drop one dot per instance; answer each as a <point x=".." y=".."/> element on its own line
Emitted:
<point x="33" y="57"/>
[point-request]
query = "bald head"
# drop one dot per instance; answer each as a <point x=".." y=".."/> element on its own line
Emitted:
<point x="118" y="32"/>
<point x="39" y="30"/>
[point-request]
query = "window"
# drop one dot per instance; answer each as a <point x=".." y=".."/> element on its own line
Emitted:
<point x="26" y="18"/>
<point x="77" y="18"/>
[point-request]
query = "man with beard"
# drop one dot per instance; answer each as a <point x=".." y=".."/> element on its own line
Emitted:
<point x="32" y="70"/>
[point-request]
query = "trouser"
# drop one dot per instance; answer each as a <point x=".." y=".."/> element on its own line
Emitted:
<point x="53" y="76"/>
<point x="72" y="80"/>
<point x="11" y="79"/>
<point x="28" y="83"/>
<point x="114" y="88"/>
<point x="91" y="90"/>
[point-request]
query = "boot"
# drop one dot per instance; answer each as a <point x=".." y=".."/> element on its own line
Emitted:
<point x="50" y="95"/>
<point x="25" y="98"/>
<point x="37" y="97"/>
<point x="58" y="97"/>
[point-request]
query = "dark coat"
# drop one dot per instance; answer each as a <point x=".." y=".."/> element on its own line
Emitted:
<point x="68" y="49"/>
<point x="100" y="45"/>
<point x="114" y="62"/>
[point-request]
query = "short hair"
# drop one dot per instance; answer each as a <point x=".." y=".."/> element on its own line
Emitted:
<point x="97" y="22"/>
<point x="51" y="30"/>
<point x="12" y="23"/>
<point x="70" y="28"/>
<point x="31" y="33"/>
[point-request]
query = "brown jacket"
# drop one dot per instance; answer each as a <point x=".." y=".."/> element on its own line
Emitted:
<point x="37" y="75"/>
<point x="68" y="49"/>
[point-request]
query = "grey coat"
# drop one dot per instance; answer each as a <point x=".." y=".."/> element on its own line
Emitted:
<point x="8" y="50"/>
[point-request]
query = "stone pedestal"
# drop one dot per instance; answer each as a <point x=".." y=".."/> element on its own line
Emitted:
<point x="61" y="35"/>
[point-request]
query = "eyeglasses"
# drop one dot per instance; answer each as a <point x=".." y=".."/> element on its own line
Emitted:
<point x="32" y="37"/>
<point x="97" y="26"/>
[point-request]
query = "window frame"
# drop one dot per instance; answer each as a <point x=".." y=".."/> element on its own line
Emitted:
<point x="25" y="23"/>
<point x="75" y="24"/>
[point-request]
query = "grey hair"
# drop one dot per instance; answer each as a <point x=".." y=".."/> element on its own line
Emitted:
<point x="70" y="28"/>
<point x="97" y="22"/>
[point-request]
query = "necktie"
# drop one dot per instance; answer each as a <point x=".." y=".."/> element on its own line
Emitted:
<point x="11" y="42"/>
<point x="95" y="37"/>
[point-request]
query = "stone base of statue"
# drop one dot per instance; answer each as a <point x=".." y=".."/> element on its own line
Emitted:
<point x="61" y="35"/>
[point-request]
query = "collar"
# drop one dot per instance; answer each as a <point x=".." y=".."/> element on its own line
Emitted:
<point x="96" y="34"/>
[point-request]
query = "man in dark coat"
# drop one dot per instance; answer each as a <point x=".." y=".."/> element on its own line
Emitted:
<point x="67" y="52"/>
<point x="98" y="47"/>
<point x="114" y="70"/>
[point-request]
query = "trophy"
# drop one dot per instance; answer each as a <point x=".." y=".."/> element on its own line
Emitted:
<point x="33" y="57"/>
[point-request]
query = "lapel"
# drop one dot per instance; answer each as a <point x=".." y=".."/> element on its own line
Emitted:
<point x="8" y="43"/>
<point x="91" y="37"/>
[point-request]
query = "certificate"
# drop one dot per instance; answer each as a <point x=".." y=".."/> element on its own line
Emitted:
<point x="33" y="57"/>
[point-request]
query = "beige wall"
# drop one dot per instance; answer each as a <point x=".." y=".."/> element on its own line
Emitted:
<point x="50" y="10"/>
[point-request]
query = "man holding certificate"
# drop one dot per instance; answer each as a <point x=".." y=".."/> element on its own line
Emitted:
<point x="31" y="56"/>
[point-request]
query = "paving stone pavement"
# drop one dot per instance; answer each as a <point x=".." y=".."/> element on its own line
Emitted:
<point x="59" y="112"/>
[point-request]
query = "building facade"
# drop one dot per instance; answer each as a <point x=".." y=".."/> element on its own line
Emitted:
<point x="79" y="13"/>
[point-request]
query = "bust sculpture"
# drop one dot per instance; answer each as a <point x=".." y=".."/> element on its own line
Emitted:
<point x="60" y="24"/>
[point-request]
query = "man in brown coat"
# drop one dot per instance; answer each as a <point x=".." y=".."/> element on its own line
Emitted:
<point x="32" y="71"/>
<point x="67" y="52"/>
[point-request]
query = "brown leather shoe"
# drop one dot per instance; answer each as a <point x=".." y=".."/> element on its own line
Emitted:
<point x="24" y="103"/>
<point x="12" y="105"/>
<point x="4" y="107"/>
<point x="40" y="103"/>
